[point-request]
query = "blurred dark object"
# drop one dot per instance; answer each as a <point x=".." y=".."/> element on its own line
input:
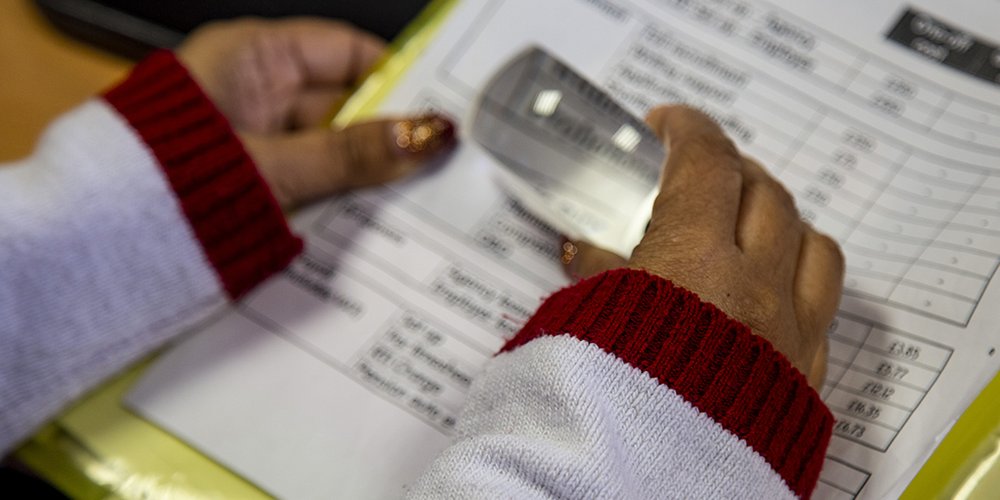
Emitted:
<point x="132" y="28"/>
<point x="16" y="478"/>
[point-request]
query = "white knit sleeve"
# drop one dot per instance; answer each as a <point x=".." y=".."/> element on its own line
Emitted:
<point x="138" y="215"/>
<point x="560" y="418"/>
<point x="626" y="386"/>
<point x="97" y="262"/>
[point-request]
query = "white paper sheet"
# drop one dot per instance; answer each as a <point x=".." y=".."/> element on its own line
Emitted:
<point x="342" y="377"/>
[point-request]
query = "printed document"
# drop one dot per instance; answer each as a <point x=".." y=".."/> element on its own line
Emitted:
<point x="344" y="376"/>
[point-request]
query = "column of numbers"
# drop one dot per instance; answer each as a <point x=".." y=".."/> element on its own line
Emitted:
<point x="897" y="96"/>
<point x="889" y="372"/>
<point x="837" y="173"/>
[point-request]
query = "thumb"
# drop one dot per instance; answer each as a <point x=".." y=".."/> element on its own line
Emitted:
<point x="306" y="165"/>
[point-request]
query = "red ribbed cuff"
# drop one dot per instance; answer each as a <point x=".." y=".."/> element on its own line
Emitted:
<point x="235" y="217"/>
<point x="711" y="360"/>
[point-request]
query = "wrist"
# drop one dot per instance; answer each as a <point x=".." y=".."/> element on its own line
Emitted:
<point x="229" y="206"/>
<point x="714" y="362"/>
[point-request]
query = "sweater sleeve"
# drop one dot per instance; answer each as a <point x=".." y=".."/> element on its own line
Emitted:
<point x="625" y="386"/>
<point x="137" y="216"/>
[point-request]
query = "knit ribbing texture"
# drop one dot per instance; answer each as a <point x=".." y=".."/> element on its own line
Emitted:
<point x="232" y="212"/>
<point x="716" y="363"/>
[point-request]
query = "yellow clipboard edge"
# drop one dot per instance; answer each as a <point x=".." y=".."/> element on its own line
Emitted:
<point x="62" y="462"/>
<point x="967" y="462"/>
<point x="98" y="449"/>
<point x="401" y="54"/>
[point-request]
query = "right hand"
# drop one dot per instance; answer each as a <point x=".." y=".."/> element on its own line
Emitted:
<point x="723" y="228"/>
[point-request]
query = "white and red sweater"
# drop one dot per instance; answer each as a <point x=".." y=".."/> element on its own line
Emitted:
<point x="141" y="214"/>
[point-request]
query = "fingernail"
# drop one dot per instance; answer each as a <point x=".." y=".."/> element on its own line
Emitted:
<point x="425" y="136"/>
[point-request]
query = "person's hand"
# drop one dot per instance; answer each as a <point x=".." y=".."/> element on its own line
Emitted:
<point x="725" y="229"/>
<point x="276" y="81"/>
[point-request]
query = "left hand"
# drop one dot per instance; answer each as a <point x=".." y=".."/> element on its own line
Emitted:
<point x="277" y="80"/>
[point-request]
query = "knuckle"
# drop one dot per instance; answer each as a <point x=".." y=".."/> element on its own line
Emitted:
<point x="657" y="120"/>
<point x="703" y="159"/>
<point x="781" y="195"/>
<point x="709" y="147"/>
<point x="830" y="246"/>
<point x="752" y="163"/>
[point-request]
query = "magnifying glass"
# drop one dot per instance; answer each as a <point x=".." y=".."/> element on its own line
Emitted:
<point x="568" y="152"/>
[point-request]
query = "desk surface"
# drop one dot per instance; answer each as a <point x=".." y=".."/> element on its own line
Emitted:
<point x="43" y="74"/>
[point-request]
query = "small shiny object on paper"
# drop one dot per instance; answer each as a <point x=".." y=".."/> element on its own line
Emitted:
<point x="568" y="152"/>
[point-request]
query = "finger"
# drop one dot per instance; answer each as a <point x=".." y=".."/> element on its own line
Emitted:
<point x="313" y="106"/>
<point x="330" y="52"/>
<point x="583" y="260"/>
<point x="819" y="280"/>
<point x="702" y="179"/>
<point x="307" y="165"/>
<point x="769" y="229"/>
